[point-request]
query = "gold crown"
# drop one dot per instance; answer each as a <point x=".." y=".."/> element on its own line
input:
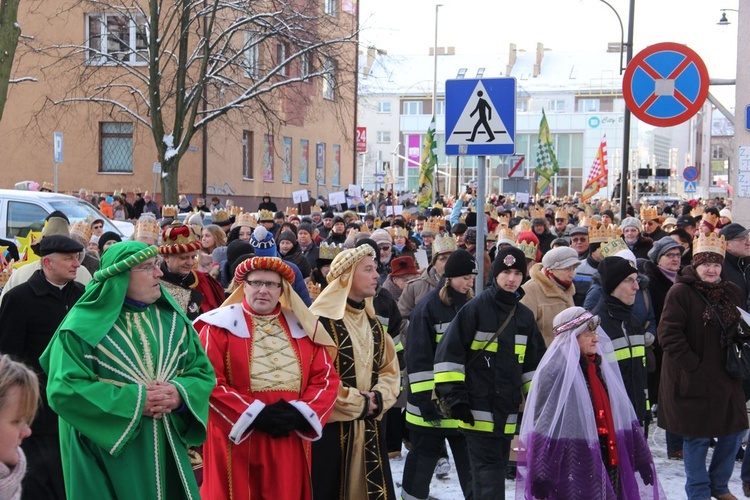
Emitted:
<point x="246" y="219"/>
<point x="433" y="225"/>
<point x="604" y="233"/>
<point x="444" y="244"/>
<point x="229" y="203"/>
<point x="377" y="222"/>
<point x="503" y="220"/>
<point x="265" y="216"/>
<point x="147" y="226"/>
<point x="528" y="248"/>
<point x="697" y="211"/>
<point x="329" y="251"/>
<point x="490" y="210"/>
<point x="219" y="215"/>
<point x="537" y="213"/>
<point x="505" y="235"/>
<point x="588" y="222"/>
<point x="291" y="211"/>
<point x="313" y="289"/>
<point x="560" y="213"/>
<point x="82" y="229"/>
<point x="649" y="213"/>
<point x="521" y="213"/>
<point x="612" y="246"/>
<point x="523" y="226"/>
<point x="396" y="231"/>
<point x="710" y="218"/>
<point x="234" y="211"/>
<point x="711" y="243"/>
<point x="169" y="211"/>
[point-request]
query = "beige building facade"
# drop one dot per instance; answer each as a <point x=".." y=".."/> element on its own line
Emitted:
<point x="306" y="142"/>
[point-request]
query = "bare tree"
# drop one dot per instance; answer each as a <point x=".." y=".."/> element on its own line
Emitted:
<point x="9" y="33"/>
<point x="175" y="66"/>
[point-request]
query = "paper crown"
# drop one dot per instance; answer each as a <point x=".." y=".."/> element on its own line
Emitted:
<point x="229" y="203"/>
<point x="560" y="213"/>
<point x="137" y="190"/>
<point x="649" y="213"/>
<point x="177" y="239"/>
<point x="219" y="216"/>
<point x="521" y="213"/>
<point x="709" y="243"/>
<point x="697" y="211"/>
<point x="588" y="222"/>
<point x="169" y="211"/>
<point x="48" y="185"/>
<point x="234" y="211"/>
<point x="246" y="219"/>
<point x="537" y="213"/>
<point x="444" y="244"/>
<point x="710" y="218"/>
<point x="265" y="216"/>
<point x="611" y="247"/>
<point x="490" y="210"/>
<point x="146" y="226"/>
<point x="397" y="231"/>
<point x="523" y="226"/>
<point x="377" y="222"/>
<point x="313" y="290"/>
<point x="528" y="248"/>
<point x="503" y="220"/>
<point x="329" y="251"/>
<point x="291" y="211"/>
<point x="505" y="235"/>
<point x="82" y="229"/>
<point x="118" y="192"/>
<point x="604" y="233"/>
<point x="433" y="225"/>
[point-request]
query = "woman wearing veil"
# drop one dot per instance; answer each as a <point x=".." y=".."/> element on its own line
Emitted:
<point x="580" y="437"/>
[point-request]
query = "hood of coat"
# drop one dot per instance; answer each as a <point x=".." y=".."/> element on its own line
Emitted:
<point x="548" y="285"/>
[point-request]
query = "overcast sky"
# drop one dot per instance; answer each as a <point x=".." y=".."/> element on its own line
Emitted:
<point x="488" y="26"/>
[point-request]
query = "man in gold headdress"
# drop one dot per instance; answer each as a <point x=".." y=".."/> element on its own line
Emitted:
<point x="350" y="460"/>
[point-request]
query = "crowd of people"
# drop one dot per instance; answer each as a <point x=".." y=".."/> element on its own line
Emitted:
<point x="192" y="360"/>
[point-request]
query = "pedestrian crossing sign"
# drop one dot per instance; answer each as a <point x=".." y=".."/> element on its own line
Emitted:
<point x="480" y="116"/>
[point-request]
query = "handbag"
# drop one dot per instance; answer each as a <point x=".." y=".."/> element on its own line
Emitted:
<point x="738" y="349"/>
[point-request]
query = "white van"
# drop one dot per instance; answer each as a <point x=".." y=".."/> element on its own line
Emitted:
<point x="24" y="211"/>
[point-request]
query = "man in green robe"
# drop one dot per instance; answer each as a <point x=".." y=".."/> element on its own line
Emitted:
<point x="130" y="382"/>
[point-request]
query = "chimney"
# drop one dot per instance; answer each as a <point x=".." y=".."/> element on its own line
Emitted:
<point x="539" y="57"/>
<point x="512" y="55"/>
<point x="372" y="52"/>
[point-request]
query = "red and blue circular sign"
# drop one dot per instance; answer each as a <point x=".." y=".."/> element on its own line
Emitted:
<point x="690" y="174"/>
<point x="665" y="84"/>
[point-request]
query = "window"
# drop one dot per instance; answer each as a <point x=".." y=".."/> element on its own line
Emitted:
<point x="384" y="136"/>
<point x="247" y="154"/>
<point x="329" y="78"/>
<point x="480" y="72"/>
<point x="252" y="54"/>
<point x="522" y="105"/>
<point x="384" y="107"/>
<point x="330" y="7"/>
<point x="412" y="108"/>
<point x="557" y="105"/>
<point x="282" y="49"/>
<point x="304" y="66"/>
<point x="24" y="217"/>
<point x="461" y="72"/>
<point x="717" y="152"/>
<point x="588" y="105"/>
<point x="439" y="108"/>
<point x="116" y="38"/>
<point x="116" y="147"/>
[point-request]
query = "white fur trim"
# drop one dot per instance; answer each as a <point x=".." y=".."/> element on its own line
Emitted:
<point x="237" y="434"/>
<point x="232" y="319"/>
<point x="312" y="419"/>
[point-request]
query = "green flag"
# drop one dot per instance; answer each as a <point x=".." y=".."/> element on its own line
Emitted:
<point x="546" y="162"/>
<point x="427" y="169"/>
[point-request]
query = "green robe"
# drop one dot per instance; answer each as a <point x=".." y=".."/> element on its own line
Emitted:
<point x="109" y="449"/>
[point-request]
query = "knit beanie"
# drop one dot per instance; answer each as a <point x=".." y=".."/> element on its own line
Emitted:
<point x="471" y="219"/>
<point x="106" y="237"/>
<point x="661" y="247"/>
<point x="470" y="236"/>
<point x="631" y="221"/>
<point x="460" y="263"/>
<point x="263" y="243"/>
<point x="459" y="228"/>
<point x="613" y="270"/>
<point x="237" y="248"/>
<point x="381" y="237"/>
<point x="508" y="258"/>
<point x="305" y="227"/>
<point x="288" y="236"/>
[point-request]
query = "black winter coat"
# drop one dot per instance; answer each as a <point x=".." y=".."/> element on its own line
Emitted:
<point x="29" y="316"/>
<point x="737" y="271"/>
<point x="496" y="376"/>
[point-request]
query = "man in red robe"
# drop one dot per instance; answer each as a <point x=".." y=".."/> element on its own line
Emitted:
<point x="275" y="387"/>
<point x="195" y="291"/>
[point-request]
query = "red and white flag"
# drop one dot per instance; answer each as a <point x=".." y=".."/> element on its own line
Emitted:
<point x="598" y="176"/>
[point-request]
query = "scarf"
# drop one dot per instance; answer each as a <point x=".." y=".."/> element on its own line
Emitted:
<point x="564" y="284"/>
<point x="720" y="309"/>
<point x="605" y="425"/>
<point x="399" y="248"/>
<point x="670" y="275"/>
<point x="10" y="479"/>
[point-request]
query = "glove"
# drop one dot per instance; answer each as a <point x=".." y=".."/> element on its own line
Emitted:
<point x="270" y="421"/>
<point x="292" y="416"/>
<point x="430" y="413"/>
<point x="647" y="473"/>
<point x="462" y="412"/>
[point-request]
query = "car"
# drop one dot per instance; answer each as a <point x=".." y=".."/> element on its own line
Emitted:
<point x="24" y="211"/>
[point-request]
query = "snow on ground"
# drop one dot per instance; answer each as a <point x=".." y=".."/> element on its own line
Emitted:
<point x="671" y="474"/>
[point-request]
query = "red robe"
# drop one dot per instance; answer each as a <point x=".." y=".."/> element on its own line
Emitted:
<point x="247" y="465"/>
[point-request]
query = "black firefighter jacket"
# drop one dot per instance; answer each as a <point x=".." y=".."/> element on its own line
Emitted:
<point x="490" y="381"/>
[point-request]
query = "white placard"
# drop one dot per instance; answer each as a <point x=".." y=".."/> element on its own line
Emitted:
<point x="355" y="191"/>
<point x="337" y="198"/>
<point x="421" y="257"/>
<point x="522" y="197"/>
<point x="744" y="159"/>
<point x="394" y="210"/>
<point x="300" y="196"/>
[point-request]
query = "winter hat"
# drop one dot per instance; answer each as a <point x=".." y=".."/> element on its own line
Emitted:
<point x="108" y="236"/>
<point x="305" y="227"/>
<point x="263" y="242"/>
<point x="338" y="219"/>
<point x="288" y="236"/>
<point x="381" y="237"/>
<point x="631" y="221"/>
<point x="471" y="219"/>
<point x="470" y="236"/>
<point x="560" y="258"/>
<point x="238" y="248"/>
<point x="460" y="263"/>
<point x="58" y="243"/>
<point x="613" y="270"/>
<point x="459" y="228"/>
<point x="628" y="255"/>
<point x="725" y="212"/>
<point x="328" y="215"/>
<point x="661" y="247"/>
<point x="508" y="258"/>
<point x="404" y="266"/>
<point x="609" y="213"/>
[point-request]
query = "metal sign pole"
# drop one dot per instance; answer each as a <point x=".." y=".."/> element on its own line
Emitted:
<point x="481" y="223"/>
<point x="56" y="165"/>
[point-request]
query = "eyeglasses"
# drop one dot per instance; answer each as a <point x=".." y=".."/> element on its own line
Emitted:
<point x="98" y="226"/>
<point x="386" y="248"/>
<point x="630" y="281"/>
<point x="673" y="255"/>
<point x="579" y="240"/>
<point x="148" y="268"/>
<point x="260" y="284"/>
